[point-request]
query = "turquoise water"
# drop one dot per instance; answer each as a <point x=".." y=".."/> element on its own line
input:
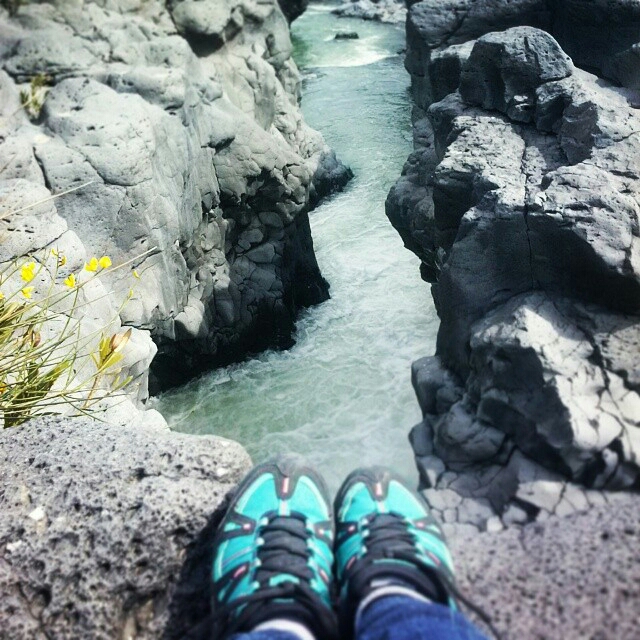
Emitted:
<point x="342" y="395"/>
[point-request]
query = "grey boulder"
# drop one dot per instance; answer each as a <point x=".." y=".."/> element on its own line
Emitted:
<point x="592" y="33"/>
<point x="390" y="11"/>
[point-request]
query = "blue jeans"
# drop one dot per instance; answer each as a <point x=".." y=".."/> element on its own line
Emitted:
<point x="398" y="618"/>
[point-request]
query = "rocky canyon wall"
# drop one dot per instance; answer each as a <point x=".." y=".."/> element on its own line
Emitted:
<point x="522" y="201"/>
<point x="184" y="118"/>
<point x="181" y="120"/>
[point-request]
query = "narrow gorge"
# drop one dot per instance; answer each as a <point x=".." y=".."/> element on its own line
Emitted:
<point x="345" y="385"/>
<point x="252" y="169"/>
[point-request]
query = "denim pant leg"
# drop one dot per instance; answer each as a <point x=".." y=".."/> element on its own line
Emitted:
<point x="267" y="634"/>
<point x="404" y="618"/>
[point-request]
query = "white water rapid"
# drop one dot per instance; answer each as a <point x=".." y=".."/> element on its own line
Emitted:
<point x="342" y="395"/>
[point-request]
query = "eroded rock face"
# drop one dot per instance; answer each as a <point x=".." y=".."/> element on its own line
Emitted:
<point x="522" y="200"/>
<point x="104" y="528"/>
<point x="391" y="11"/>
<point x="185" y="120"/>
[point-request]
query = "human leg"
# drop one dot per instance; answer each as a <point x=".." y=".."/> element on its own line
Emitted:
<point x="401" y="617"/>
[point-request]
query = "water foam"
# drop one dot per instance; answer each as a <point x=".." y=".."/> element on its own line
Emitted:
<point x="342" y="395"/>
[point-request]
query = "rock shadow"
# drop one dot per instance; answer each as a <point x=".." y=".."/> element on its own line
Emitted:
<point x="190" y="603"/>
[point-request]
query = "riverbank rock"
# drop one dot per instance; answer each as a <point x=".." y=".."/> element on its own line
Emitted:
<point x="184" y="119"/>
<point x="104" y="528"/>
<point x="595" y="34"/>
<point x="346" y="35"/>
<point x="522" y="200"/>
<point x="391" y="11"/>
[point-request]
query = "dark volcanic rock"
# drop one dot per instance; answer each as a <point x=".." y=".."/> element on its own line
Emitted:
<point x="624" y="67"/>
<point x="504" y="74"/>
<point x="594" y="33"/>
<point x="522" y="200"/>
<point x="184" y="118"/>
<point x="434" y="25"/>
<point x="293" y="9"/>
<point x="104" y="529"/>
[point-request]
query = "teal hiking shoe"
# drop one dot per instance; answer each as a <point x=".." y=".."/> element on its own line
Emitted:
<point x="386" y="535"/>
<point x="273" y="554"/>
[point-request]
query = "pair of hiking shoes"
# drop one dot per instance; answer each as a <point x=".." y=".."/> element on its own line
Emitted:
<point x="278" y="549"/>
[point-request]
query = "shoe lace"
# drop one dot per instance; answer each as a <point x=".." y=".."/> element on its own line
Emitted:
<point x="283" y="548"/>
<point x="388" y="536"/>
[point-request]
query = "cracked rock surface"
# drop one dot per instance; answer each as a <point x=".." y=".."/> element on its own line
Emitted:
<point x="522" y="200"/>
<point x="184" y="117"/>
<point x="104" y="528"/>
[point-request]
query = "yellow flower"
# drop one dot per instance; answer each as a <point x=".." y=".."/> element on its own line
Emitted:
<point x="1" y="295"/>
<point x="118" y="341"/>
<point x="62" y="260"/>
<point x="27" y="291"/>
<point x="109" y="350"/>
<point x="136" y="275"/>
<point x="92" y="265"/>
<point x="70" y="281"/>
<point x="104" y="262"/>
<point x="28" y="271"/>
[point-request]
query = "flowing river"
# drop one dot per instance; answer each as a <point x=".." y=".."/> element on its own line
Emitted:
<point x="342" y="395"/>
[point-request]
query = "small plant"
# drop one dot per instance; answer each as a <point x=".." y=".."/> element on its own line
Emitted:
<point x="44" y="355"/>
<point x="32" y="99"/>
<point x="49" y="363"/>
